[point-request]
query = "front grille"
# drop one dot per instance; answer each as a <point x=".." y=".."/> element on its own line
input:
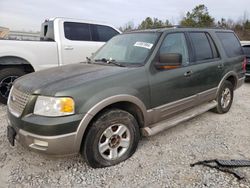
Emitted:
<point x="17" y="101"/>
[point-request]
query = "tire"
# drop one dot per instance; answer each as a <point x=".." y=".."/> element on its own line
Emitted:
<point x="103" y="139"/>
<point x="224" y="104"/>
<point x="7" y="77"/>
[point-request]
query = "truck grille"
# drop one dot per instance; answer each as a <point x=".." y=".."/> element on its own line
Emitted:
<point x="17" y="101"/>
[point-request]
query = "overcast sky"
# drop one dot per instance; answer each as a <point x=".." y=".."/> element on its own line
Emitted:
<point x="29" y="14"/>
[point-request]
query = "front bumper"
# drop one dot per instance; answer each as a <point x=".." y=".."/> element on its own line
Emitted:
<point x="54" y="136"/>
<point x="53" y="145"/>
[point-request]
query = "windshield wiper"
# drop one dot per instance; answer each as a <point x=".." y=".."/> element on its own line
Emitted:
<point x="110" y="61"/>
<point x="88" y="60"/>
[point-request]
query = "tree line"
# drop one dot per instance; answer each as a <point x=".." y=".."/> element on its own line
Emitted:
<point x="198" y="17"/>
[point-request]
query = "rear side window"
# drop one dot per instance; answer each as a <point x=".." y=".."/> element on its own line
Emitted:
<point x="77" y="31"/>
<point x="47" y="31"/>
<point x="230" y="43"/>
<point x="103" y="33"/>
<point x="201" y="46"/>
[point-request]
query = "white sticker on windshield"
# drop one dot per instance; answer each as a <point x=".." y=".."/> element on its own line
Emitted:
<point x="144" y="45"/>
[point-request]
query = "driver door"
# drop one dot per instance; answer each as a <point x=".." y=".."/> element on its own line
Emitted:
<point x="171" y="89"/>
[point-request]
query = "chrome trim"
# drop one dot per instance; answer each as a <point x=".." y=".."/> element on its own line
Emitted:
<point x="17" y="101"/>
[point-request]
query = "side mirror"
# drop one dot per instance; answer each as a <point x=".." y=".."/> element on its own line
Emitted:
<point x="169" y="61"/>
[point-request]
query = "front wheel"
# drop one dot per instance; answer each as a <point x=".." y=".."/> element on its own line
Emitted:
<point x="224" y="98"/>
<point x="7" y="77"/>
<point x="112" y="138"/>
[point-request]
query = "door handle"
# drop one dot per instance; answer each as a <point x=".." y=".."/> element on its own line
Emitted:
<point x="188" y="73"/>
<point x="68" y="48"/>
<point x="220" y="66"/>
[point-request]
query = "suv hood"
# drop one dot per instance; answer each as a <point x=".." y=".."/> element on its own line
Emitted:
<point x="48" y="82"/>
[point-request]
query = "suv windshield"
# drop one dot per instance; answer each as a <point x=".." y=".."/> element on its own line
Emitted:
<point x="131" y="49"/>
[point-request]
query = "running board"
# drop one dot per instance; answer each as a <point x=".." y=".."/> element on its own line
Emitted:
<point x="186" y="115"/>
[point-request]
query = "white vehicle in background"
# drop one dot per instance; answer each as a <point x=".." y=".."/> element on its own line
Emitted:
<point x="63" y="41"/>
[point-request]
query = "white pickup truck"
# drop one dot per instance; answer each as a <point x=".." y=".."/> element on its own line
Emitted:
<point x="62" y="41"/>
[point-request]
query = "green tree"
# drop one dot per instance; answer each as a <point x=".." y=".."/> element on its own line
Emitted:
<point x="199" y="17"/>
<point x="153" y="23"/>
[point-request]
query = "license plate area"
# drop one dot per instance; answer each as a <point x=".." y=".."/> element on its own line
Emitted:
<point x="11" y="134"/>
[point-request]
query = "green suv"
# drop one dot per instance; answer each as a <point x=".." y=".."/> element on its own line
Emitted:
<point x="138" y="84"/>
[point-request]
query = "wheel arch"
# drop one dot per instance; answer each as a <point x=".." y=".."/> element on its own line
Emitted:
<point x="128" y="103"/>
<point x="15" y="61"/>
<point x="231" y="77"/>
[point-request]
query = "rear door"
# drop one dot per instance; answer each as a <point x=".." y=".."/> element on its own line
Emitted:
<point x="172" y="85"/>
<point x="206" y="64"/>
<point x="83" y="39"/>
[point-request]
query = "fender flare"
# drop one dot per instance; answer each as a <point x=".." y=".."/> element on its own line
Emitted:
<point x="100" y="106"/>
<point x="231" y="73"/>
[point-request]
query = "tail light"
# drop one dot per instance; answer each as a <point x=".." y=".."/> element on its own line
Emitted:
<point x="244" y="65"/>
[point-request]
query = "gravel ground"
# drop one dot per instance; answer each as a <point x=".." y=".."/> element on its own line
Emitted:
<point x="160" y="161"/>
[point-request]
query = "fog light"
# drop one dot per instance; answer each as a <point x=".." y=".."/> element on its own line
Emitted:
<point x="41" y="143"/>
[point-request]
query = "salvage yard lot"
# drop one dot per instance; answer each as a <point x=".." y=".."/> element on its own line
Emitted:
<point x="161" y="160"/>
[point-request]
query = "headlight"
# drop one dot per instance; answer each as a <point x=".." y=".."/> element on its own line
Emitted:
<point x="54" y="106"/>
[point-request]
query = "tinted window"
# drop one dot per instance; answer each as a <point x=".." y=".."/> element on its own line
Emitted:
<point x="230" y="44"/>
<point x="214" y="48"/>
<point x="246" y="50"/>
<point x="103" y="33"/>
<point x="175" y="43"/>
<point x="77" y="31"/>
<point x="201" y="46"/>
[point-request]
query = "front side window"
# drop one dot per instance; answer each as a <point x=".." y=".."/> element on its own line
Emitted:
<point x="77" y="31"/>
<point x="201" y="46"/>
<point x="175" y="43"/>
<point x="131" y="48"/>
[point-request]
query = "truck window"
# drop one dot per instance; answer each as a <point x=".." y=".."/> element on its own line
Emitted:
<point x="175" y="43"/>
<point x="47" y="31"/>
<point x="77" y="31"/>
<point x="230" y="43"/>
<point x="201" y="46"/>
<point x="103" y="33"/>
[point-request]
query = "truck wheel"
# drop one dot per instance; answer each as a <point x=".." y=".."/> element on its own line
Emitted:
<point x="224" y="98"/>
<point x="112" y="138"/>
<point x="7" y="77"/>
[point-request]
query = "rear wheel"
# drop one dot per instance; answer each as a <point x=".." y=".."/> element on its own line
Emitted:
<point x="224" y="98"/>
<point x="112" y="138"/>
<point x="7" y="77"/>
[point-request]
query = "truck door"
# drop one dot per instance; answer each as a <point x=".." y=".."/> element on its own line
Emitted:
<point x="82" y="40"/>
